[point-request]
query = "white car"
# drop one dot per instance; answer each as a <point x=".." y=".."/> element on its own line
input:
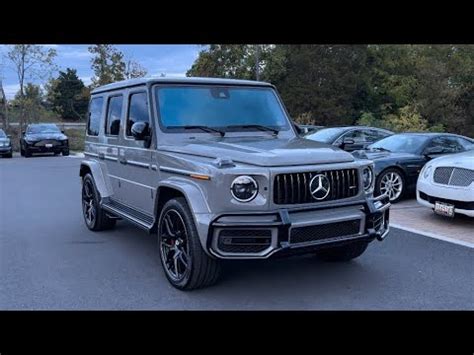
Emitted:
<point x="446" y="184"/>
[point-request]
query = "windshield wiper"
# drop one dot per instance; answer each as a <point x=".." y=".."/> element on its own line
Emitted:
<point x="203" y="128"/>
<point x="380" y="149"/>
<point x="257" y="126"/>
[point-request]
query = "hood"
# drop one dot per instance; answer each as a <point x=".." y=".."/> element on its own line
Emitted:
<point x="460" y="160"/>
<point x="46" y="135"/>
<point x="380" y="155"/>
<point x="264" y="151"/>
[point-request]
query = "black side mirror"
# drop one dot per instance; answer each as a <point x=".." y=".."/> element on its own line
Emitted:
<point x="140" y="131"/>
<point x="9" y="136"/>
<point x="62" y="131"/>
<point x="23" y="132"/>
<point x="346" y="141"/>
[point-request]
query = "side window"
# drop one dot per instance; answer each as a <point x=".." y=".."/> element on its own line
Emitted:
<point x="448" y="144"/>
<point x="114" y="114"/>
<point x="137" y="110"/>
<point x="377" y="135"/>
<point x="465" y="143"/>
<point x="95" y="114"/>
<point x="357" y="135"/>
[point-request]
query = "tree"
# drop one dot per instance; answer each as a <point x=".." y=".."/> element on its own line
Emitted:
<point x="68" y="95"/>
<point x="134" y="70"/>
<point x="3" y="107"/>
<point x="326" y="82"/>
<point x="236" y="61"/>
<point x="108" y="64"/>
<point x="31" y="104"/>
<point x="30" y="62"/>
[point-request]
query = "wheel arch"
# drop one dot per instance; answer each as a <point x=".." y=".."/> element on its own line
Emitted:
<point x="102" y="183"/>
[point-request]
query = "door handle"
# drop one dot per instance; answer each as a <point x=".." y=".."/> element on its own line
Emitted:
<point x="123" y="161"/>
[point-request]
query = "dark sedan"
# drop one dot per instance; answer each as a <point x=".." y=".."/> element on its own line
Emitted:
<point x="399" y="158"/>
<point x="5" y="145"/>
<point x="43" y="138"/>
<point x="349" y="138"/>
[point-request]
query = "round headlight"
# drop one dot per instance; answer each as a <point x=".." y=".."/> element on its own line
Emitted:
<point x="368" y="177"/>
<point x="244" y="188"/>
<point x="426" y="171"/>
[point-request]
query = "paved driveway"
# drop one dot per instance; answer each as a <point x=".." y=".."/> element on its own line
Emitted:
<point x="50" y="260"/>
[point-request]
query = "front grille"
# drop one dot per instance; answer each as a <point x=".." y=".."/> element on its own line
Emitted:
<point x="293" y="188"/>
<point x="244" y="240"/>
<point x="453" y="176"/>
<point x="47" y="141"/>
<point x="324" y="231"/>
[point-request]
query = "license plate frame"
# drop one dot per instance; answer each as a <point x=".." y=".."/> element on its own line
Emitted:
<point x="48" y="145"/>
<point x="444" y="209"/>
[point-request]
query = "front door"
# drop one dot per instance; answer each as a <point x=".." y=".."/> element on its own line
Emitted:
<point x="137" y="187"/>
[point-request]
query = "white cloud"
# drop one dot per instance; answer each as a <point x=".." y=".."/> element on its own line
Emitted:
<point x="11" y="90"/>
<point x="86" y="79"/>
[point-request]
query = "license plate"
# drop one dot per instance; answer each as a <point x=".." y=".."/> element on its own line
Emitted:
<point x="48" y="145"/>
<point x="444" y="209"/>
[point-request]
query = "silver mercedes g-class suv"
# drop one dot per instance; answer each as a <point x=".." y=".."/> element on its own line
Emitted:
<point x="215" y="168"/>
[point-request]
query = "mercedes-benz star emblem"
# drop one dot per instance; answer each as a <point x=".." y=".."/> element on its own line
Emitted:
<point x="319" y="187"/>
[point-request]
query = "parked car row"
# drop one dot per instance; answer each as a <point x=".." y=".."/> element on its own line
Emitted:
<point x="37" y="138"/>
<point x="398" y="158"/>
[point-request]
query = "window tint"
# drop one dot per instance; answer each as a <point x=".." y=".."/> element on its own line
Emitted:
<point x="137" y="111"/>
<point x="374" y="135"/>
<point x="357" y="135"/>
<point x="114" y="114"/>
<point x="95" y="113"/>
<point x="465" y="143"/>
<point x="448" y="144"/>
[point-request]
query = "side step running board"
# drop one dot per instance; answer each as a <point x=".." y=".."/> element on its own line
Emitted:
<point x="120" y="210"/>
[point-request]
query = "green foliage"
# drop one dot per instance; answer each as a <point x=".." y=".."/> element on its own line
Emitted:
<point x="400" y="87"/>
<point x="76" y="138"/>
<point x="68" y="95"/>
<point x="107" y="64"/>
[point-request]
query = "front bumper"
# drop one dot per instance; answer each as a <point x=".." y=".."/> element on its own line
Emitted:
<point x="56" y="147"/>
<point x="461" y="197"/>
<point x="5" y="150"/>
<point x="259" y="236"/>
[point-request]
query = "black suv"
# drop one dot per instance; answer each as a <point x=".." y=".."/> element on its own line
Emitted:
<point x="43" y="138"/>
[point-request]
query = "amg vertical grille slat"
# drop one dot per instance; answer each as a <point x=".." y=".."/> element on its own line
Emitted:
<point x="293" y="188"/>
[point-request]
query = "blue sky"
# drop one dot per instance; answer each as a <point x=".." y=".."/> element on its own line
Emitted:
<point x="173" y="60"/>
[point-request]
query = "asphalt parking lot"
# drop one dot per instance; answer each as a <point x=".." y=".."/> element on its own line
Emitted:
<point x="50" y="260"/>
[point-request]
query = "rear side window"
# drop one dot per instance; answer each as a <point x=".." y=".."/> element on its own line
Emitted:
<point x="114" y="114"/>
<point x="95" y="113"/>
<point x="138" y="110"/>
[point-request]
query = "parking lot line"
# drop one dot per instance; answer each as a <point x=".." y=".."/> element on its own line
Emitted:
<point x="432" y="235"/>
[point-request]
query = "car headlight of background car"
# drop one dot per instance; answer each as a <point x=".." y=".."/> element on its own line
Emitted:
<point x="244" y="188"/>
<point x="368" y="178"/>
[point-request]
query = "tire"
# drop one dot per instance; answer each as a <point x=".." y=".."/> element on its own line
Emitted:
<point x="177" y="235"/>
<point x="65" y="152"/>
<point x="344" y="252"/>
<point x="94" y="216"/>
<point x="10" y="155"/>
<point x="391" y="174"/>
<point x="26" y="153"/>
<point x="22" y="152"/>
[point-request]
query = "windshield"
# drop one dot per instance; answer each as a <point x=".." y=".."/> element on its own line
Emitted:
<point x="224" y="108"/>
<point x="401" y="143"/>
<point x="43" y="128"/>
<point x="2" y="134"/>
<point x="325" y="135"/>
